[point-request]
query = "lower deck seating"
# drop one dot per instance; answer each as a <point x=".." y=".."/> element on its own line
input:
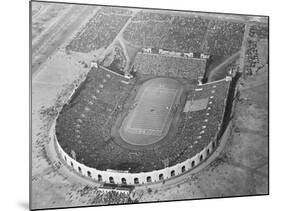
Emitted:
<point x="84" y="127"/>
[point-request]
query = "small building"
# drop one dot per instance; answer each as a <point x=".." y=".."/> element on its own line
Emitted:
<point x="94" y="64"/>
<point x="146" y="50"/>
<point x="190" y="55"/>
<point x="204" y="56"/>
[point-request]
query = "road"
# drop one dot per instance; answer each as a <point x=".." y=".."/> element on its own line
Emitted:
<point x="47" y="26"/>
<point x="41" y="11"/>
<point x="58" y="34"/>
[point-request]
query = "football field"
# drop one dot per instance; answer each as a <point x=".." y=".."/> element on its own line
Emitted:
<point x="150" y="115"/>
<point x="152" y="111"/>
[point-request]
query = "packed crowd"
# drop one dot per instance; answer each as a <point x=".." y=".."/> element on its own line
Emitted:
<point x="162" y="65"/>
<point x="255" y="60"/>
<point x="181" y="33"/>
<point x="251" y="55"/>
<point x="99" y="32"/>
<point x="86" y="119"/>
<point x="224" y="38"/>
<point x="186" y="34"/>
<point x="85" y="123"/>
<point x="206" y="122"/>
<point x="112" y="197"/>
<point x="115" y="60"/>
<point x="259" y="31"/>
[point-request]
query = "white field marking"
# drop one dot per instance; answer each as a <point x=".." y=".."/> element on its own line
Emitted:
<point x="175" y="92"/>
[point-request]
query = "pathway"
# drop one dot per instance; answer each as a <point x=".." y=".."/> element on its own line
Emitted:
<point x="220" y="68"/>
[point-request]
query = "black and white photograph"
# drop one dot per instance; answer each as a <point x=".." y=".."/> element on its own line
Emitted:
<point x="133" y="105"/>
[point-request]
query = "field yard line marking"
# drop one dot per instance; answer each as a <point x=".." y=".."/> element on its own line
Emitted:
<point x="170" y="104"/>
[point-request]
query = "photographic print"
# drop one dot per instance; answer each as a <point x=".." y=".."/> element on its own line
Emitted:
<point x="134" y="105"/>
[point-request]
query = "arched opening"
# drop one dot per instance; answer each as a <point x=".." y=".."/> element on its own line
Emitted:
<point x="183" y="169"/>
<point x="213" y="145"/>
<point x="192" y="164"/>
<point x="111" y="180"/>
<point x="201" y="158"/>
<point x="172" y="173"/>
<point x="71" y="164"/>
<point x="123" y="180"/>
<point x="136" y="180"/>
<point x="65" y="158"/>
<point x="208" y="152"/>
<point x="148" y="179"/>
<point x="89" y="174"/>
<point x="161" y="176"/>
<point x="79" y="169"/>
<point x="99" y="178"/>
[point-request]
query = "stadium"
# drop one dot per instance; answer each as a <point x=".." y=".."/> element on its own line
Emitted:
<point x="137" y="105"/>
<point x="143" y="129"/>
